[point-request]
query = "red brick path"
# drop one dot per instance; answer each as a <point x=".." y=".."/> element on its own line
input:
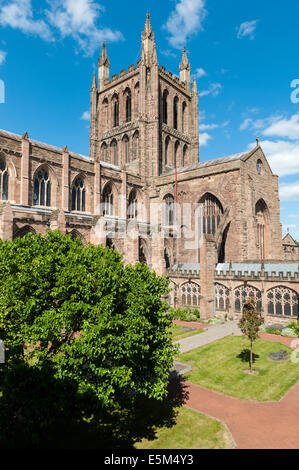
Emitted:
<point x="253" y="425"/>
<point x="191" y="324"/>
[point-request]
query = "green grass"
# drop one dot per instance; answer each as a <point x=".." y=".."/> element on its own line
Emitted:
<point x="178" y="332"/>
<point x="192" y="431"/>
<point x="220" y="366"/>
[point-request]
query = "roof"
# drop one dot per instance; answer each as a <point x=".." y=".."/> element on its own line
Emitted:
<point x="257" y="267"/>
<point x="11" y="135"/>
<point x="215" y="161"/>
<point x="269" y="268"/>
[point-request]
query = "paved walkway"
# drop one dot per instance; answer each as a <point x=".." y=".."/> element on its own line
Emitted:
<point x="253" y="425"/>
<point x="212" y="333"/>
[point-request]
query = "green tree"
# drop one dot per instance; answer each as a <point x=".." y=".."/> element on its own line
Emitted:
<point x="250" y="323"/>
<point x="78" y="324"/>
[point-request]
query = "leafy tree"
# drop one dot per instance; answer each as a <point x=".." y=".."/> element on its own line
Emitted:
<point x="250" y="323"/>
<point x="81" y="325"/>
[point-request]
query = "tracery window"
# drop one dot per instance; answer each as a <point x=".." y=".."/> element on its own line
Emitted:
<point x="78" y="195"/>
<point x="190" y="294"/>
<point x="210" y="214"/>
<point x="42" y="189"/>
<point x="3" y="180"/>
<point x="107" y="200"/>
<point x="242" y="293"/>
<point x="133" y="205"/>
<point x="283" y="302"/>
<point x="222" y="297"/>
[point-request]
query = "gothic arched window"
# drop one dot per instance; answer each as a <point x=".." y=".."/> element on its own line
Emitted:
<point x="116" y="112"/>
<point x="185" y="155"/>
<point x="42" y="189"/>
<point x="222" y="297"/>
<point x="282" y="301"/>
<point x="133" y="205"/>
<point x="135" y="149"/>
<point x="114" y="150"/>
<point x="168" y="212"/>
<point x="126" y="149"/>
<point x="184" y="115"/>
<point x="167" y="141"/>
<point x="78" y="195"/>
<point x="175" y="112"/>
<point x="210" y="214"/>
<point x="176" y="153"/>
<point x="241" y="295"/>
<point x="189" y="294"/>
<point x="3" y="180"/>
<point x="128" y="107"/>
<point x="107" y="200"/>
<point x="104" y="153"/>
<point x="259" y="165"/>
<point x="165" y="111"/>
<point x="261" y="212"/>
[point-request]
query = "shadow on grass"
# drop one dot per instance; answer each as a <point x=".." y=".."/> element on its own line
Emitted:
<point x="245" y="356"/>
<point x="42" y="412"/>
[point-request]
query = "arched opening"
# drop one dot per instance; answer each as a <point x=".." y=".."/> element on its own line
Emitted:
<point x="165" y="110"/>
<point x="221" y="250"/>
<point x="104" y="152"/>
<point x="125" y="144"/>
<point x="114" y="152"/>
<point x="105" y="123"/>
<point x="242" y="293"/>
<point x="175" y="112"/>
<point x="42" y="188"/>
<point x="78" y="195"/>
<point x="210" y="212"/>
<point x="176" y="154"/>
<point x="107" y="201"/>
<point x="166" y="151"/>
<point x="184" y="117"/>
<point x="168" y="210"/>
<point x="282" y="302"/>
<point x="185" y="155"/>
<point x="221" y="297"/>
<point x="3" y="180"/>
<point x="189" y="294"/>
<point x="262" y="229"/>
<point x="135" y="149"/>
<point x="133" y="205"/>
<point x="24" y="231"/>
<point x="128" y="106"/>
<point x="115" y="111"/>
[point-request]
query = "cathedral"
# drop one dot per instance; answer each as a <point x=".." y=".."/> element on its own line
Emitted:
<point x="212" y="227"/>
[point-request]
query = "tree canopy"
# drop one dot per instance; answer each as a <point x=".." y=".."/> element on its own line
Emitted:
<point x="75" y="319"/>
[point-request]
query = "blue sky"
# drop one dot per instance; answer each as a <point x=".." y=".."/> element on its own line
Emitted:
<point x="244" y="55"/>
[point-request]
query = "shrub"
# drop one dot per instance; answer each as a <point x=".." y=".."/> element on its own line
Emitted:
<point x="289" y="333"/>
<point x="185" y="314"/>
<point x="295" y="327"/>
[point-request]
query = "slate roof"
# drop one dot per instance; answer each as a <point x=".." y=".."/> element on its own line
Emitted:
<point x="194" y="268"/>
<point x="11" y="135"/>
<point x="216" y="161"/>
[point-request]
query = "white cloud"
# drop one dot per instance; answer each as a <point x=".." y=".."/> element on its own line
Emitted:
<point x="203" y="139"/>
<point x="208" y="127"/>
<point x="3" y="55"/>
<point x="200" y="73"/>
<point x="18" y="14"/>
<point x="289" y="192"/>
<point x="185" y="21"/>
<point x="214" y="90"/>
<point x="71" y="18"/>
<point x="247" y="29"/>
<point x="85" y="116"/>
<point x="78" y="19"/>
<point x="288" y="128"/>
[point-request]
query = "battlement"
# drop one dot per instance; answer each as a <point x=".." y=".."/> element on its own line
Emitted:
<point x="122" y="74"/>
<point x="172" y="77"/>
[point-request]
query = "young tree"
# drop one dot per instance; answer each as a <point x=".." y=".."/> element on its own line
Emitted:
<point x="81" y="325"/>
<point x="250" y="323"/>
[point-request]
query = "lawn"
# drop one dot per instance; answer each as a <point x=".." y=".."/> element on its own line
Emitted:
<point x="192" y="431"/>
<point x="178" y="332"/>
<point x="220" y="366"/>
